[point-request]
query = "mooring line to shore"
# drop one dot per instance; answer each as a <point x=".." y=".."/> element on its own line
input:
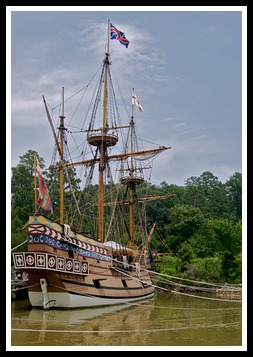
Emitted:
<point x="130" y="331"/>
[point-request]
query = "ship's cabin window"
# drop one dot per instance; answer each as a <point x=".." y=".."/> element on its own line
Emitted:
<point x="124" y="283"/>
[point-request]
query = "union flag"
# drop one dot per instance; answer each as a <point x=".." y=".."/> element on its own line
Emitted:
<point x="118" y="35"/>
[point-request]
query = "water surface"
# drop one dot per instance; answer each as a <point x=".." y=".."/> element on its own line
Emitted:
<point x="168" y="320"/>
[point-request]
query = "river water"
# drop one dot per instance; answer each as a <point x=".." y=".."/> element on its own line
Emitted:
<point x="169" y="321"/>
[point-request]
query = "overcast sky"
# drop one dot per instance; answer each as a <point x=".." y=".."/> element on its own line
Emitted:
<point x="186" y="67"/>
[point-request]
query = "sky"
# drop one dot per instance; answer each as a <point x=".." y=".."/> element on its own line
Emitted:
<point x="187" y="65"/>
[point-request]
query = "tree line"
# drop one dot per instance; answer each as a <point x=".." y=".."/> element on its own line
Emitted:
<point x="198" y="231"/>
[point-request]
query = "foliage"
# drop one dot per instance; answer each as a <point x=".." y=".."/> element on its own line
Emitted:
<point x="199" y="226"/>
<point x="204" y="269"/>
<point x="169" y="265"/>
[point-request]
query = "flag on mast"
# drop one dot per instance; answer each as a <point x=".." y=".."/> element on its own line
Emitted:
<point x="44" y="198"/>
<point x="118" y="35"/>
<point x="136" y="102"/>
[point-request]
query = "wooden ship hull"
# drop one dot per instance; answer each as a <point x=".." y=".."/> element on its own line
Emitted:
<point x="67" y="269"/>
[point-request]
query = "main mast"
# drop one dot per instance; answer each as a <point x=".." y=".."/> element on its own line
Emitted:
<point x="102" y="140"/>
<point x="62" y="161"/>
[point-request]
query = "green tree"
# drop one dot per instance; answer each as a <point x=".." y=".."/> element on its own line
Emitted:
<point x="194" y="193"/>
<point x="184" y="221"/>
<point x="208" y="194"/>
<point x="204" y="269"/>
<point x="229" y="245"/>
<point x="234" y="193"/>
<point x="22" y="196"/>
<point x="169" y="265"/>
<point x="72" y="194"/>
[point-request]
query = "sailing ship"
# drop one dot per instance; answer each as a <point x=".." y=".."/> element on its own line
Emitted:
<point x="107" y="260"/>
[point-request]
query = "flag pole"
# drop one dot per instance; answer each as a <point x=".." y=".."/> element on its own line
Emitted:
<point x="108" y="38"/>
<point x="132" y="103"/>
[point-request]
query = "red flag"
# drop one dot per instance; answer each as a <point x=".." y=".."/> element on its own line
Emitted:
<point x="44" y="198"/>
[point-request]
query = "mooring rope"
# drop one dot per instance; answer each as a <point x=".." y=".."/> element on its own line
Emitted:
<point x="19" y="245"/>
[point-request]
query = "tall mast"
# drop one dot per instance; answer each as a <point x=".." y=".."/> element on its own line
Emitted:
<point x="102" y="140"/>
<point x="133" y="179"/>
<point x="102" y="148"/>
<point x="131" y="183"/>
<point x="61" y="128"/>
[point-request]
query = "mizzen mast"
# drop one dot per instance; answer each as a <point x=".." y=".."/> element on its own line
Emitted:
<point x="132" y="180"/>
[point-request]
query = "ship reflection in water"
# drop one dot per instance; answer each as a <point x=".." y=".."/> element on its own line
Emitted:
<point x="166" y="320"/>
